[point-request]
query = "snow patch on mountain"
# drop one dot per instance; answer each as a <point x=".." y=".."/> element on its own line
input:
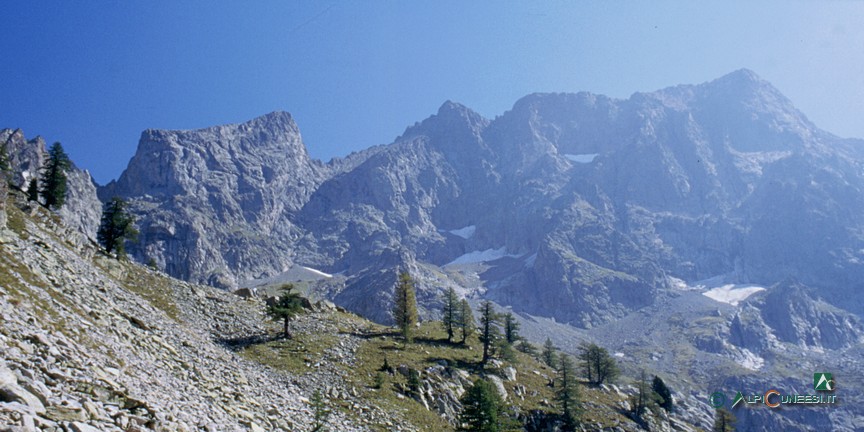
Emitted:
<point x="731" y="293"/>
<point x="318" y="272"/>
<point x="480" y="256"/>
<point x="466" y="232"/>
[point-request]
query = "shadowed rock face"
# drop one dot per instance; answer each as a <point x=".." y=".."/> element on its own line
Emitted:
<point x="592" y="201"/>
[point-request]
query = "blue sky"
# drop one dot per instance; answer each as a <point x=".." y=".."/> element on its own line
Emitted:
<point x="354" y="73"/>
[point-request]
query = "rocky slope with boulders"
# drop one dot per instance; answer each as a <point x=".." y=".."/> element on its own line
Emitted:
<point x="90" y="343"/>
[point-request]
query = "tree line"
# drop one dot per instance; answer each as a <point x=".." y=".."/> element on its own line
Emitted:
<point x="483" y="409"/>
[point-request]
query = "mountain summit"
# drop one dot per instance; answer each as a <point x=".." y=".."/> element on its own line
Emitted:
<point x="575" y="206"/>
<point x="214" y="204"/>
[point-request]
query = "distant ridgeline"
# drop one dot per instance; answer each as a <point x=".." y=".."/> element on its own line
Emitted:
<point x="580" y="206"/>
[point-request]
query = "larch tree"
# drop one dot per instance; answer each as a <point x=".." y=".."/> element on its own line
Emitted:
<point x="550" y="355"/>
<point x="489" y="332"/>
<point x="286" y="307"/>
<point x="450" y="320"/>
<point x="724" y="421"/>
<point x="405" y="306"/>
<point x="644" y="399"/>
<point x="567" y="393"/>
<point x="467" y="325"/>
<point x="597" y="364"/>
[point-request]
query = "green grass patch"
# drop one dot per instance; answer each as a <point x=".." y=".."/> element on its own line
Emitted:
<point x="156" y="289"/>
<point x="297" y="355"/>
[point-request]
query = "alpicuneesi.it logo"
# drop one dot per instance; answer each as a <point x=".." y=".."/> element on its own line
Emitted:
<point x="823" y="384"/>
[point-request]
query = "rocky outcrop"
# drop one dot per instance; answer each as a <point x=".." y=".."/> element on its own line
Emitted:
<point x="82" y="210"/>
<point x="216" y="205"/>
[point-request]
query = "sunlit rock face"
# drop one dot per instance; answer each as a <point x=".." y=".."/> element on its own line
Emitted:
<point x="575" y="206"/>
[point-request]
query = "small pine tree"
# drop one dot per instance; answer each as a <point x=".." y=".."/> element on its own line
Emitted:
<point x="482" y="408"/>
<point x="511" y="329"/>
<point x="466" y="321"/>
<point x="116" y="227"/>
<point x="33" y="190"/>
<point x="550" y="355"/>
<point x="489" y="333"/>
<point x="379" y="380"/>
<point x="597" y="364"/>
<point x="724" y="421"/>
<point x="287" y="306"/>
<point x="54" y="178"/>
<point x="450" y="319"/>
<point x="414" y="382"/>
<point x="405" y="306"/>
<point x="567" y="393"/>
<point x="320" y="412"/>
<point x="663" y="393"/>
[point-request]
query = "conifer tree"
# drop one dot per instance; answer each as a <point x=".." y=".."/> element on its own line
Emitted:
<point x="54" y="180"/>
<point x="597" y="364"/>
<point x="644" y="398"/>
<point x="287" y="306"/>
<point x="466" y="320"/>
<point x="450" y="320"/>
<point x="567" y="393"/>
<point x="550" y="357"/>
<point x="511" y="329"/>
<point x="724" y="421"/>
<point x="489" y="333"/>
<point x="116" y="227"/>
<point x="33" y="190"/>
<point x="320" y="412"/>
<point x="482" y="408"/>
<point x="405" y="306"/>
<point x="663" y="393"/>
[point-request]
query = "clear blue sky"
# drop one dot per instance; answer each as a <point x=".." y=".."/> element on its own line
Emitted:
<point x="355" y="73"/>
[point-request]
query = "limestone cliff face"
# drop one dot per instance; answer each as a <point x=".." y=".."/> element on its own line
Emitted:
<point x="215" y="205"/>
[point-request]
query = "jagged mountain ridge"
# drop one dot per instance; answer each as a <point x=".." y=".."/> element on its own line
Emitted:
<point x="596" y="200"/>
<point x="214" y="204"/>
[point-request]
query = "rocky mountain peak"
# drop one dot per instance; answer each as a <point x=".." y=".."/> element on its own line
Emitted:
<point x="221" y="188"/>
<point x="452" y="122"/>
